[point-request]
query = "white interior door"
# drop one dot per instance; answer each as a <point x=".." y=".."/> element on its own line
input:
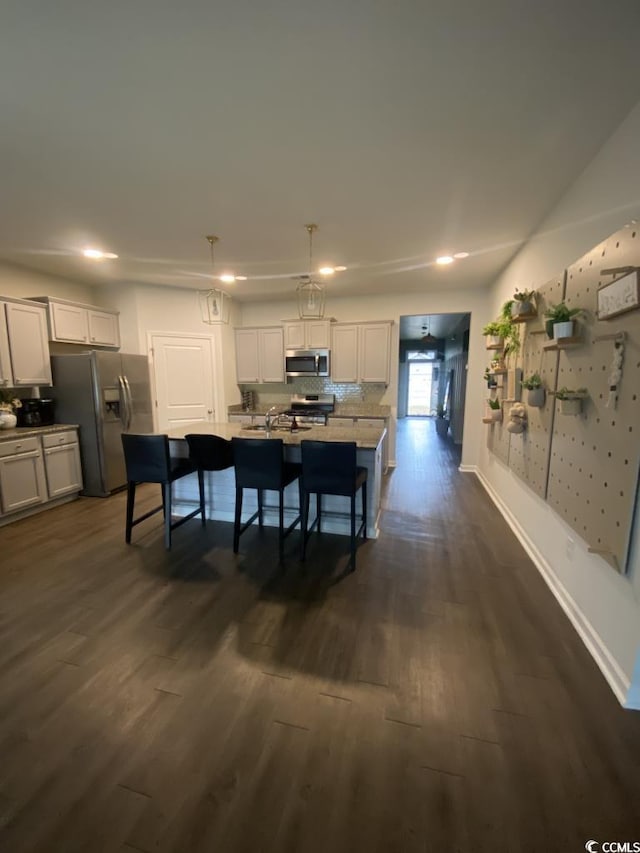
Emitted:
<point x="183" y="373"/>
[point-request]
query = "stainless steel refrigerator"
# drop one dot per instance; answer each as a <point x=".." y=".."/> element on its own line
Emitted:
<point x="106" y="394"/>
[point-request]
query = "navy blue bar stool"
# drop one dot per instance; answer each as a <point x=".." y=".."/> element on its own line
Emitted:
<point x="208" y="453"/>
<point x="148" y="460"/>
<point x="329" y="468"/>
<point x="260" y="464"/>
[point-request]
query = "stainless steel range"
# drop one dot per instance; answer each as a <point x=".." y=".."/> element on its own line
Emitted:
<point x="308" y="410"/>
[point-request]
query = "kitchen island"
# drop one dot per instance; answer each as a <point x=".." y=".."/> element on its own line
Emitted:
<point x="220" y="485"/>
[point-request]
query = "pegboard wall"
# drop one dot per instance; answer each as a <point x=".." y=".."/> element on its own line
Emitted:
<point x="498" y="435"/>
<point x="595" y="456"/>
<point x="529" y="451"/>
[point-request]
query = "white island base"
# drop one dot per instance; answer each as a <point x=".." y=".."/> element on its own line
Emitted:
<point x="220" y="487"/>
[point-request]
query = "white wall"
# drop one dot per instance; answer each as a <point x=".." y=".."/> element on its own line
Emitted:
<point x="603" y="605"/>
<point x="392" y="307"/>
<point x="23" y="283"/>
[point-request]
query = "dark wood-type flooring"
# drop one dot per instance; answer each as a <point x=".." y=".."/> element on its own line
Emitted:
<point x="435" y="700"/>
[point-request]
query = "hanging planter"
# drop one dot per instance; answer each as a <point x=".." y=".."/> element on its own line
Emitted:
<point x="571" y="401"/>
<point x="523" y="304"/>
<point x="494" y="412"/>
<point x="536" y="397"/>
<point x="560" y="317"/>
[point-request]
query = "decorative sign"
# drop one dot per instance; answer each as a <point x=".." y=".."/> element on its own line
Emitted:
<point x="618" y="296"/>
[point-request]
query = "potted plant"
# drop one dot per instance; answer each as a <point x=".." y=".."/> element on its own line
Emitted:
<point x="490" y="379"/>
<point x="8" y="406"/>
<point x="442" y="421"/>
<point x="536" y="395"/>
<point x="560" y="320"/>
<point x="570" y="400"/>
<point x="495" y="409"/>
<point x="523" y="304"/>
<point x="493" y="333"/>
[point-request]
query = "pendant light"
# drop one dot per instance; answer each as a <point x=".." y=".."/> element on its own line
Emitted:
<point x="311" y="293"/>
<point x="214" y="303"/>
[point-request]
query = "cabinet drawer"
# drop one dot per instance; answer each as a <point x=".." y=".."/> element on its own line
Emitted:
<point x="56" y="439"/>
<point x="20" y="445"/>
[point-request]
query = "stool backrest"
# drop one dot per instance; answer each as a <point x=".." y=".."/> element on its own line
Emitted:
<point x="258" y="462"/>
<point x="328" y="466"/>
<point x="210" y="452"/>
<point x="146" y="458"/>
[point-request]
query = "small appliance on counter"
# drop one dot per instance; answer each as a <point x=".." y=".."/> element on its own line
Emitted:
<point x="35" y="412"/>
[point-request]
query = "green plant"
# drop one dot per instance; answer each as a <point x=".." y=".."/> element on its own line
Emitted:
<point x="524" y="295"/>
<point x="492" y="328"/>
<point x="561" y="313"/>
<point x="569" y="394"/>
<point x="494" y="404"/>
<point x="532" y="382"/>
<point x="505" y="311"/>
<point x="440" y="411"/>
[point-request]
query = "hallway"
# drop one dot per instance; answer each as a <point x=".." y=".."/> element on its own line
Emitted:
<point x="435" y="700"/>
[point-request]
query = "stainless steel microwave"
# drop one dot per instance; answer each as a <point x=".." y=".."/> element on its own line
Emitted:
<point x="306" y="362"/>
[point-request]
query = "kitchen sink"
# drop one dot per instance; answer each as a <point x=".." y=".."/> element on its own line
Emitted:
<point x="277" y="428"/>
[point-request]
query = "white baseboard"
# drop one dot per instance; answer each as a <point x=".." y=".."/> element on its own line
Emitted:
<point x="468" y="469"/>
<point x="609" y="667"/>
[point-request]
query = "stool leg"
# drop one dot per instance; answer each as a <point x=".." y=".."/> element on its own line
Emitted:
<point x="260" y="515"/>
<point x="353" y="532"/>
<point x="201" y="490"/>
<point x="304" y="521"/>
<point x="364" y="509"/>
<point x="166" y="492"/>
<point x="236" y="523"/>
<point x="131" y="497"/>
<point x="281" y="525"/>
<point x="319" y="509"/>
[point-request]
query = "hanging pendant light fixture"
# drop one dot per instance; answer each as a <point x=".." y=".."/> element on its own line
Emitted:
<point x="428" y="338"/>
<point x="311" y="293"/>
<point x="214" y="303"/>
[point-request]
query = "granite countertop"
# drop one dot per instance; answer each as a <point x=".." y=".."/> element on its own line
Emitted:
<point x="366" y="438"/>
<point x="26" y="432"/>
<point x="342" y="410"/>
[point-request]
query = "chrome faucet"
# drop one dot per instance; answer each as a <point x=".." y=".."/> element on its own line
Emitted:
<point x="270" y="421"/>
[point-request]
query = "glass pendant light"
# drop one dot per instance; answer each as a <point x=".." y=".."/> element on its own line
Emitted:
<point x="311" y="293"/>
<point x="214" y="303"/>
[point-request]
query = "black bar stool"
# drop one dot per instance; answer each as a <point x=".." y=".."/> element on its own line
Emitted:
<point x="208" y="453"/>
<point x="329" y="468"/>
<point x="259" y="464"/>
<point x="147" y="460"/>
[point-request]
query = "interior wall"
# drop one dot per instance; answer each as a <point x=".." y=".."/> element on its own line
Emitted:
<point x="22" y="283"/>
<point x="353" y="309"/>
<point x="604" y="605"/>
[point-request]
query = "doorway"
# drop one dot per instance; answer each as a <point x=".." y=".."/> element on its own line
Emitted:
<point x="422" y="392"/>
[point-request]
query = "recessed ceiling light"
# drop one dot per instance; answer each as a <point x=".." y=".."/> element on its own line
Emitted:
<point x="228" y="278"/>
<point x="340" y="269"/>
<point x="444" y="259"/>
<point x="97" y="255"/>
<point x="326" y="270"/>
<point x="461" y="255"/>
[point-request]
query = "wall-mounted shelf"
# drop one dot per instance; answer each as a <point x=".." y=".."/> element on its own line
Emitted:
<point x="562" y="343"/>
<point x="524" y="318"/>
<point x="499" y="372"/>
<point x="495" y="346"/>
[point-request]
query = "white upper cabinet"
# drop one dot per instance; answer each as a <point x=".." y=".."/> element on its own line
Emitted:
<point x="104" y="328"/>
<point x="307" y="334"/>
<point x="360" y="352"/>
<point x="259" y="355"/>
<point x="75" y="323"/>
<point x="6" y="373"/>
<point x="26" y="325"/>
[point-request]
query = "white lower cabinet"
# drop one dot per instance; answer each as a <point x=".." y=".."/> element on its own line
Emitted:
<point x="22" y="478"/>
<point x="62" y="463"/>
<point x="38" y="469"/>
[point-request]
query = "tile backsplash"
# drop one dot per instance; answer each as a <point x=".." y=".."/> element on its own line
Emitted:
<point x="346" y="392"/>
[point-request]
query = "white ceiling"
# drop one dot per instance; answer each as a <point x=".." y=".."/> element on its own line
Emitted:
<point x="415" y="326"/>
<point x="406" y="129"/>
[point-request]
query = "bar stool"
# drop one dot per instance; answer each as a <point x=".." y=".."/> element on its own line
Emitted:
<point x="329" y="468"/>
<point x="259" y="464"/>
<point x="208" y="453"/>
<point x="147" y="460"/>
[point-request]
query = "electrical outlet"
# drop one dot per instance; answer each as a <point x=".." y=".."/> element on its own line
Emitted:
<point x="569" y="548"/>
